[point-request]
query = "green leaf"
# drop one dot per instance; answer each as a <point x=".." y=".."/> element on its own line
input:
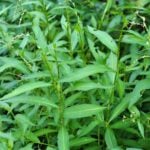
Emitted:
<point x="50" y="148"/>
<point x="5" y="106"/>
<point x="134" y="149"/>
<point x="134" y="110"/>
<point x="141" y="128"/>
<point x="86" y="86"/>
<point x="74" y="39"/>
<point x="42" y="132"/>
<point x="108" y="5"/>
<point x="5" y="9"/>
<point x="134" y="38"/>
<point x="7" y="136"/>
<point x="131" y="98"/>
<point x="81" y="141"/>
<point x="92" y="48"/>
<point x="36" y="75"/>
<point x="25" y="88"/>
<point x="23" y="123"/>
<point x="120" y="87"/>
<point x="64" y="24"/>
<point x="112" y="63"/>
<point x="120" y="107"/>
<point x="31" y="3"/>
<point x="122" y="124"/>
<point x="140" y="86"/>
<point x="21" y="118"/>
<point x="72" y="99"/>
<point x="41" y="41"/>
<point x="87" y="129"/>
<point x="82" y="110"/>
<point x="105" y="39"/>
<point x="33" y="100"/>
<point x="32" y="137"/>
<point x="81" y="73"/>
<point x="110" y="139"/>
<point x="24" y="42"/>
<point x="8" y="62"/>
<point x="27" y="147"/>
<point x="63" y="139"/>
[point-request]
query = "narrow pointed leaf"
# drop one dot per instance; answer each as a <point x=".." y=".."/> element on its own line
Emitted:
<point x="83" y="110"/>
<point x="25" y="88"/>
<point x="120" y="107"/>
<point x="141" y="128"/>
<point x="105" y="39"/>
<point x="23" y="120"/>
<point x="110" y="139"/>
<point x="140" y="86"/>
<point x="74" y="39"/>
<point x="41" y="41"/>
<point x="87" y="129"/>
<point x="81" y="141"/>
<point x="112" y="63"/>
<point x="86" y="86"/>
<point x="63" y="139"/>
<point x="8" y="62"/>
<point x="33" y="100"/>
<point x="7" y="136"/>
<point x="85" y="72"/>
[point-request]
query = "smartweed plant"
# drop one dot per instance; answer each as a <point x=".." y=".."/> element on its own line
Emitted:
<point x="74" y="75"/>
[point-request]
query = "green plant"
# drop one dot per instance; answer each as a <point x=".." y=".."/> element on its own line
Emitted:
<point x="74" y="75"/>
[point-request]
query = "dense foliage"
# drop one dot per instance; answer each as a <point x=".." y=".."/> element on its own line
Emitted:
<point x="74" y="75"/>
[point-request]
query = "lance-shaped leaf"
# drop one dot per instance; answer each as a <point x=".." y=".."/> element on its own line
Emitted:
<point x="86" y="86"/>
<point x="32" y="100"/>
<point x="81" y="141"/>
<point x="8" y="62"/>
<point x="141" y="128"/>
<point x="105" y="39"/>
<point x="140" y="86"/>
<point x="85" y="72"/>
<point x="82" y="110"/>
<point x="41" y="40"/>
<point x="25" y="88"/>
<point x="120" y="107"/>
<point x="110" y="139"/>
<point x="63" y="139"/>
